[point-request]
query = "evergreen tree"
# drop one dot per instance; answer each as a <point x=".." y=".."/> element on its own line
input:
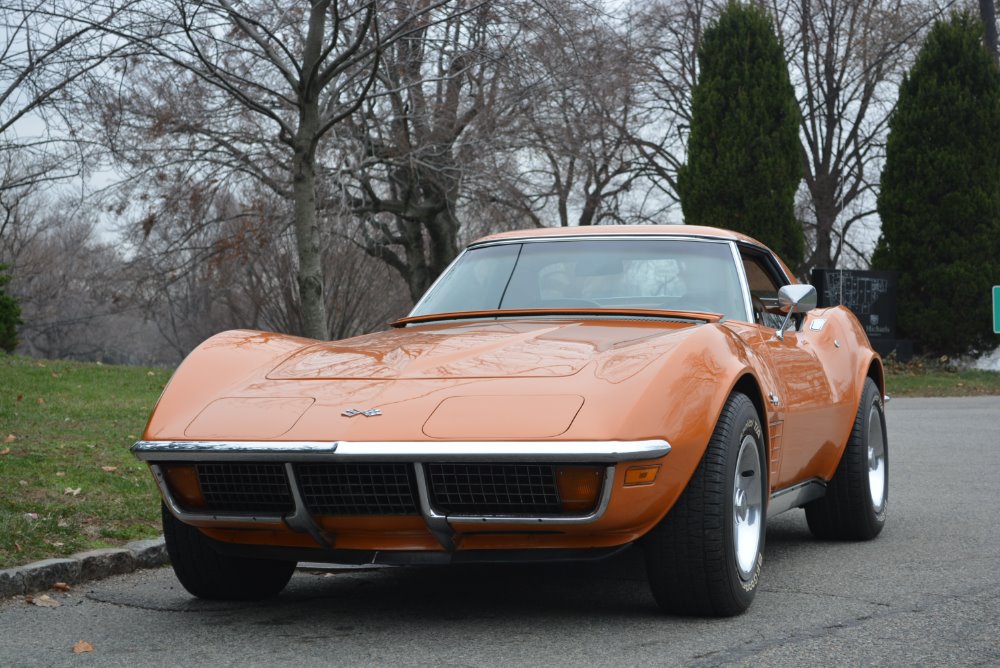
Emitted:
<point x="940" y="195"/>
<point x="10" y="315"/>
<point x="744" y="159"/>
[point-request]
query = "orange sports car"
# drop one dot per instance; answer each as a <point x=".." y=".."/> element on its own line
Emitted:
<point x="556" y="394"/>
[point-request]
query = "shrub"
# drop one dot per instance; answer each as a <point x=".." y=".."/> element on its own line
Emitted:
<point x="10" y="314"/>
<point x="744" y="159"/>
<point x="940" y="195"/>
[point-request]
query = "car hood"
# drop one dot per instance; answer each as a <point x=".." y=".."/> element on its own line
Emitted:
<point x="482" y="350"/>
<point x="511" y="379"/>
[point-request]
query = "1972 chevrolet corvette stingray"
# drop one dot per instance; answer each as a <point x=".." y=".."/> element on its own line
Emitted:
<point x="557" y="394"/>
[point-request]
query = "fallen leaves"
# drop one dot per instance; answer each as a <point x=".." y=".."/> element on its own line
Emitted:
<point x="82" y="646"/>
<point x="109" y="469"/>
<point x="61" y="586"/>
<point x="5" y="451"/>
<point x="43" y="601"/>
<point x="9" y="438"/>
<point x="40" y="401"/>
<point x="72" y="491"/>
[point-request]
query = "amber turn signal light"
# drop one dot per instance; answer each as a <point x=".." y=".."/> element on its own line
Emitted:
<point x="579" y="487"/>
<point x="641" y="475"/>
<point x="182" y="479"/>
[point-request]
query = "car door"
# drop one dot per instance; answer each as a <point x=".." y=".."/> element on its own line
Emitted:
<point x="801" y="396"/>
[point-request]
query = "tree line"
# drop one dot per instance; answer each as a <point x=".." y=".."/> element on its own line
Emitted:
<point x="312" y="167"/>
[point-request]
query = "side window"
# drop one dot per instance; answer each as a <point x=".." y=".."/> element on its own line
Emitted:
<point x="763" y="292"/>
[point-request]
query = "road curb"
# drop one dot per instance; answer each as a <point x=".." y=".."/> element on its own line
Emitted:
<point x="82" y="567"/>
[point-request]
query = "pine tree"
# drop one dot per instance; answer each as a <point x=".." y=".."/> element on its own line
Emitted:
<point x="744" y="159"/>
<point x="940" y="195"/>
<point x="10" y="315"/>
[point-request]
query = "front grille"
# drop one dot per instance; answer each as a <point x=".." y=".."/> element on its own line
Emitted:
<point x="255" y="488"/>
<point x="358" y="489"/>
<point x="494" y="489"/>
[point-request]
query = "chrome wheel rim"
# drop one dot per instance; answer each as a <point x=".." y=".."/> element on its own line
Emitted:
<point x="748" y="507"/>
<point x="876" y="458"/>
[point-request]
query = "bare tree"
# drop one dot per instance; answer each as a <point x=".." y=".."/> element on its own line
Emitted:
<point x="581" y="149"/>
<point x="71" y="285"/>
<point x="216" y="261"/>
<point x="668" y="35"/>
<point x="422" y="136"/>
<point x="523" y="111"/>
<point x="271" y="83"/>
<point x="47" y="48"/>
<point x="846" y="60"/>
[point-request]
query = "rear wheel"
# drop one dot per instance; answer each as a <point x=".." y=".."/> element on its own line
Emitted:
<point x="856" y="500"/>
<point x="705" y="557"/>
<point x="206" y="573"/>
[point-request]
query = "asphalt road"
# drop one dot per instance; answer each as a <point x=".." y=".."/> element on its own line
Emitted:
<point x="925" y="593"/>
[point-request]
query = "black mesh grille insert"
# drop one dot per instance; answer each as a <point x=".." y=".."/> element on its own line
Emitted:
<point x="255" y="488"/>
<point x="358" y="489"/>
<point x="494" y="489"/>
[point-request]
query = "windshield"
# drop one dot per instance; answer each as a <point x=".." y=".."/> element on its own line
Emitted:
<point x="668" y="274"/>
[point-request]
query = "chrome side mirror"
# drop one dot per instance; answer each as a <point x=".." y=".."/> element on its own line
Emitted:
<point x="794" y="299"/>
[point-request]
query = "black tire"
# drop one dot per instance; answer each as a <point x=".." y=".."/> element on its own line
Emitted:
<point x="206" y="573"/>
<point x="854" y="507"/>
<point x="691" y="555"/>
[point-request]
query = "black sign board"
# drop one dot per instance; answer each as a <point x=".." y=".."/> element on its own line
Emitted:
<point x="871" y="295"/>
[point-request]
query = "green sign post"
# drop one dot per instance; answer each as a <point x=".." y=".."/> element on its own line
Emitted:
<point x="996" y="309"/>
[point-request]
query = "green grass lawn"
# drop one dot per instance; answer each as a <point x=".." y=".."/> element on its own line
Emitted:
<point x="67" y="480"/>
<point x="922" y="378"/>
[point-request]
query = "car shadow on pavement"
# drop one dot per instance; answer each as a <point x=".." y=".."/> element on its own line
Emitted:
<point x="610" y="588"/>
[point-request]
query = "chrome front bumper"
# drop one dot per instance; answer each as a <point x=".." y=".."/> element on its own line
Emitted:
<point x="402" y="451"/>
<point x="416" y="453"/>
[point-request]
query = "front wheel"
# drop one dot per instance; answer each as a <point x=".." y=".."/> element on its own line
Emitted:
<point x="705" y="557"/>
<point x="206" y="573"/>
<point x="857" y="497"/>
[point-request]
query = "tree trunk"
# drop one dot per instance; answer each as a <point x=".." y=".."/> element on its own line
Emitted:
<point x="418" y="277"/>
<point x="823" y="193"/>
<point x="822" y="257"/>
<point x="307" y="235"/>
<point x="308" y="240"/>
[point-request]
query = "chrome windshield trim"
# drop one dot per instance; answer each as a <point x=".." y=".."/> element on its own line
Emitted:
<point x="597" y="236"/>
<point x="744" y="283"/>
<point x="406" y="451"/>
